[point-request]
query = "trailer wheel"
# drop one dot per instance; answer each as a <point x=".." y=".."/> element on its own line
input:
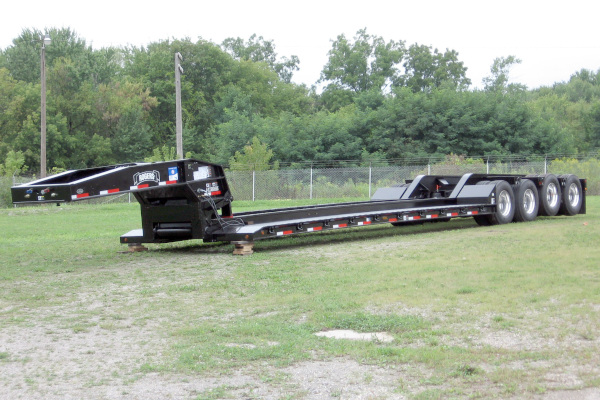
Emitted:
<point x="549" y="195"/>
<point x="526" y="201"/>
<point x="505" y="204"/>
<point x="572" y="197"/>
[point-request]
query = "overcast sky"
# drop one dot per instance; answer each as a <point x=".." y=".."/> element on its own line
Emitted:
<point x="554" y="39"/>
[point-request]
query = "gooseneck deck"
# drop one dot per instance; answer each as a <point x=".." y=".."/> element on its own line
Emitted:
<point x="191" y="199"/>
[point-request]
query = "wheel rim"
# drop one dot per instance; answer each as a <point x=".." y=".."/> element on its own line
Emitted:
<point x="573" y="194"/>
<point x="552" y="195"/>
<point x="504" y="203"/>
<point x="529" y="201"/>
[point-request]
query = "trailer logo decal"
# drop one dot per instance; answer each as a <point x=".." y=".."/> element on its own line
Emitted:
<point x="146" y="176"/>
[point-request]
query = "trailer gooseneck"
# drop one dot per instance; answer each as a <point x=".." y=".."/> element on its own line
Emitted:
<point x="190" y="199"/>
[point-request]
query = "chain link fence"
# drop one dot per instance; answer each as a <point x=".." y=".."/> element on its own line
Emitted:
<point x="318" y="182"/>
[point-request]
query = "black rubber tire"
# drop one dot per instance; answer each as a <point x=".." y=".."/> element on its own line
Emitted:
<point x="550" y="195"/>
<point x="505" y="204"/>
<point x="572" y="197"/>
<point x="526" y="201"/>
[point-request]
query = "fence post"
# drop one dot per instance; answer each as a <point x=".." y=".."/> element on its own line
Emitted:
<point x="253" y="182"/>
<point x="487" y="165"/>
<point x="370" y="176"/>
<point x="428" y="168"/>
<point x="545" y="164"/>
<point x="311" y="181"/>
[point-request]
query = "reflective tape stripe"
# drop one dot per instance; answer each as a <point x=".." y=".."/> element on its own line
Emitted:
<point x="79" y="196"/>
<point x="142" y="186"/>
<point x="109" y="191"/>
<point x="281" y="233"/>
<point x="316" y="228"/>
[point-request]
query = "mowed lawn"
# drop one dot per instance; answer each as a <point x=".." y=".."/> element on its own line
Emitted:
<point x="509" y="311"/>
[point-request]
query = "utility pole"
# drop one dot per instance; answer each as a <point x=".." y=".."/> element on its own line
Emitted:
<point x="45" y="41"/>
<point x="178" y="118"/>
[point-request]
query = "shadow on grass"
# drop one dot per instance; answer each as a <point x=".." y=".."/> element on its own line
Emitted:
<point x="324" y="238"/>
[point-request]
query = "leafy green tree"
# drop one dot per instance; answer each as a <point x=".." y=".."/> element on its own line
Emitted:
<point x="288" y="136"/>
<point x="367" y="62"/>
<point x="564" y="125"/>
<point x="333" y="135"/>
<point x="97" y="151"/>
<point x="498" y="81"/>
<point x="22" y="59"/>
<point x="425" y="69"/>
<point x="17" y="100"/>
<point x="256" y="49"/>
<point x="206" y="71"/>
<point x="593" y="128"/>
<point x="583" y="85"/>
<point x="14" y="164"/>
<point x="132" y="141"/>
<point x="164" y="153"/>
<point x="256" y="156"/>
<point x="229" y="136"/>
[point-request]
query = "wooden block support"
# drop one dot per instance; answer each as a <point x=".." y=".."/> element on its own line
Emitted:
<point x="133" y="247"/>
<point x="243" y="248"/>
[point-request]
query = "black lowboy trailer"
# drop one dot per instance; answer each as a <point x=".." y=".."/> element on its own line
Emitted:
<point x="191" y="199"/>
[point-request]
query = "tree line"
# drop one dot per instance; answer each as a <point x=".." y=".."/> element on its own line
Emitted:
<point x="380" y="99"/>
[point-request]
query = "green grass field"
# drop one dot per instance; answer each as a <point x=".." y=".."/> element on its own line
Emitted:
<point x="475" y="312"/>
